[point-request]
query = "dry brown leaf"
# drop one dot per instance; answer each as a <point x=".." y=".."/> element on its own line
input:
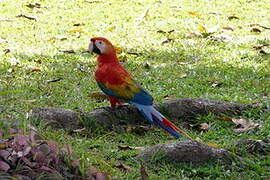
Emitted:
<point x="124" y="148"/>
<point x="263" y="52"/>
<point x="193" y="34"/>
<point x="118" y="50"/>
<point x="36" y="70"/>
<point x="4" y="166"/>
<point x="205" y="32"/>
<point x="69" y="51"/>
<point x="227" y="28"/>
<point x="78" y="31"/>
<point x="165" y="32"/>
<point x="225" y="118"/>
<point x="27" y="17"/>
<point x="244" y="125"/>
<point x="213" y="144"/>
<point x="261" y="46"/>
<point x="167" y="41"/>
<point x="78" y="24"/>
<point x="36" y="5"/>
<point x="256" y="30"/>
<point x="58" y="37"/>
<point x="204" y="127"/>
<point x="6" y="51"/>
<point x="98" y="96"/>
<point x="194" y="14"/>
<point x="54" y="80"/>
<point x="233" y="17"/>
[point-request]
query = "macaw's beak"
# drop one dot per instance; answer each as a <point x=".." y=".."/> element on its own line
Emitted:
<point x="93" y="48"/>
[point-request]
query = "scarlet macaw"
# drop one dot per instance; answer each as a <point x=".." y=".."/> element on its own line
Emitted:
<point x="119" y="86"/>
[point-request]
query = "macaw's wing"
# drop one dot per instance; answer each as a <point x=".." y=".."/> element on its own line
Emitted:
<point x="127" y="90"/>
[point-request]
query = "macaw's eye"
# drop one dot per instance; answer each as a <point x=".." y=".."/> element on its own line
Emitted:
<point x="100" y="42"/>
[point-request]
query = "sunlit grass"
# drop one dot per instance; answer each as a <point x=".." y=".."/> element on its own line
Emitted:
<point x="133" y="26"/>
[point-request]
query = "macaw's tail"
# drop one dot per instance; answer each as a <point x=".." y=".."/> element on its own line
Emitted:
<point x="156" y="118"/>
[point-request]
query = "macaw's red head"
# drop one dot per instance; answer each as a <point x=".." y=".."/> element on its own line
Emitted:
<point x="101" y="46"/>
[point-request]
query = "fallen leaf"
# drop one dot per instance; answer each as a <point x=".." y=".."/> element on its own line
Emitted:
<point x="70" y="51"/>
<point x="4" y="166"/>
<point x="227" y="28"/>
<point x="233" y="17"/>
<point x="58" y="37"/>
<point x="98" y="96"/>
<point x="256" y="30"/>
<point x="144" y="174"/>
<point x="165" y="32"/>
<point x="263" y="52"/>
<point x="202" y="28"/>
<point x="124" y="168"/>
<point x="134" y="53"/>
<point x="6" y="51"/>
<point x="204" y="127"/>
<point x="118" y="50"/>
<point x="193" y="34"/>
<point x="36" y="5"/>
<point x="54" y="80"/>
<point x="36" y="70"/>
<point x="4" y="154"/>
<point x="261" y="46"/>
<point x="124" y="148"/>
<point x="167" y="41"/>
<point x="78" y="31"/>
<point x="78" y="24"/>
<point x="225" y="118"/>
<point x="213" y="144"/>
<point x="244" y="125"/>
<point x="27" y="17"/>
<point x="264" y="27"/>
<point x="194" y="14"/>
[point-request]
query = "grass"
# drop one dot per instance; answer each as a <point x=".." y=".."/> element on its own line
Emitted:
<point x="133" y="26"/>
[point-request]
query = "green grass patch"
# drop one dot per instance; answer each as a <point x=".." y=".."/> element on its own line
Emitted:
<point x="33" y="71"/>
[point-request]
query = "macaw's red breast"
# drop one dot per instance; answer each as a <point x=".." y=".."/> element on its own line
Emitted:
<point x="112" y="73"/>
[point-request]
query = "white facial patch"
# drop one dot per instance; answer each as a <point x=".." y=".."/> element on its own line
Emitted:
<point x="100" y="45"/>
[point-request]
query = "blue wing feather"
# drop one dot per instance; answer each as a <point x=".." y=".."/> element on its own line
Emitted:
<point x="142" y="97"/>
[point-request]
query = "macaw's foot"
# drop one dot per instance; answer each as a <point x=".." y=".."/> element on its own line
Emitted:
<point x="114" y="101"/>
